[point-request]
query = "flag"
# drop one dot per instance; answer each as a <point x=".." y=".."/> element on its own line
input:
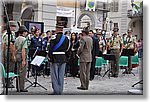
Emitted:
<point x="137" y="7"/>
<point x="90" y="5"/>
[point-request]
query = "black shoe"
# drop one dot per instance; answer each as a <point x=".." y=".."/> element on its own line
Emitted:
<point x="81" y="88"/>
<point x="114" y="75"/>
<point x="126" y="72"/>
<point x="91" y="79"/>
<point x="24" y="90"/>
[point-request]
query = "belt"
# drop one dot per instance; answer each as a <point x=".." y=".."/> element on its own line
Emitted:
<point x="114" y="49"/>
<point x="57" y="53"/>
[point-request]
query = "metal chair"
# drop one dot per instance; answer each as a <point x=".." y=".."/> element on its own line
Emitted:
<point x="135" y="62"/>
<point x="105" y="63"/>
<point x="123" y="62"/>
<point x="98" y="65"/>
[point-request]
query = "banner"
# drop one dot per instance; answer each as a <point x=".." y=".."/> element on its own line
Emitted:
<point x="65" y="12"/>
<point x="90" y="5"/>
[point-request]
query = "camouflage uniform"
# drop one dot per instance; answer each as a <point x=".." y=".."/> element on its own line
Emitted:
<point x="130" y="41"/>
<point x="21" y="42"/>
<point x="5" y="43"/>
<point x="115" y="43"/>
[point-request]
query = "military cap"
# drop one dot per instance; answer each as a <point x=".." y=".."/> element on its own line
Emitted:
<point x="115" y="29"/>
<point x="129" y="30"/>
<point x="22" y="28"/>
<point x="98" y="33"/>
<point x="12" y="23"/>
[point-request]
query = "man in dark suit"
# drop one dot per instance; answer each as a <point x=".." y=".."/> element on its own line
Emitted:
<point x="95" y="53"/>
<point x="85" y="55"/>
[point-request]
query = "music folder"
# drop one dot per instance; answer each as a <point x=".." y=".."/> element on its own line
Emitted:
<point x="38" y="60"/>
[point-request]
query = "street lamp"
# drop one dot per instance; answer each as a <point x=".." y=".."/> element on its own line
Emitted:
<point x="110" y="22"/>
<point x="104" y="33"/>
<point x="132" y="1"/>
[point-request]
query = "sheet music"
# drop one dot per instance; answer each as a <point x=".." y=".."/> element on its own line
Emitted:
<point x="105" y="52"/>
<point x="37" y="61"/>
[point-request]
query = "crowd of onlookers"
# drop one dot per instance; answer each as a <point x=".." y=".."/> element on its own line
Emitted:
<point x="30" y="44"/>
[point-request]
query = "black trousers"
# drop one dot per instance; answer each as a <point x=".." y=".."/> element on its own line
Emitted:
<point x="92" y="69"/>
<point x="74" y="67"/>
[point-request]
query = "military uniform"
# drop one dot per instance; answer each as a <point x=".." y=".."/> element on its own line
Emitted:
<point x="58" y="59"/>
<point x="115" y="43"/>
<point x="11" y="51"/>
<point x="35" y="49"/>
<point x="84" y="51"/>
<point x="5" y="42"/>
<point x="130" y="44"/>
<point x="21" y="42"/>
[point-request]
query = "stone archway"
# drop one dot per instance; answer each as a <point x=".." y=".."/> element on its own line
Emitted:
<point x="136" y="24"/>
<point x="27" y="13"/>
<point x="90" y="15"/>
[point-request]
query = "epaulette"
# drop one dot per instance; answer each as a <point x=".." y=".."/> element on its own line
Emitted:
<point x="53" y="37"/>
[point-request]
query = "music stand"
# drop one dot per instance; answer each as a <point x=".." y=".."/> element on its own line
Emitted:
<point x="139" y="82"/>
<point x="128" y="52"/>
<point x="37" y="61"/>
<point x="109" y="57"/>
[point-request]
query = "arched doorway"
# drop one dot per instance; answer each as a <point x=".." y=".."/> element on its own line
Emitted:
<point x="86" y="20"/>
<point x="27" y="13"/>
<point x="136" y="24"/>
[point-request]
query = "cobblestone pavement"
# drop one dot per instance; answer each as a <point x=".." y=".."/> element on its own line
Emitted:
<point x="98" y="86"/>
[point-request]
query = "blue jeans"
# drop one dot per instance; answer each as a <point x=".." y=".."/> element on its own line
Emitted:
<point x="57" y="77"/>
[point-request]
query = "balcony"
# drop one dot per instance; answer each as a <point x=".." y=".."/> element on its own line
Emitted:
<point x="132" y="14"/>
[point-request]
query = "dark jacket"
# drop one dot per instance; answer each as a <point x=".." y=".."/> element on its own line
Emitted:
<point x="95" y="50"/>
<point x="58" y="58"/>
<point x="36" y="44"/>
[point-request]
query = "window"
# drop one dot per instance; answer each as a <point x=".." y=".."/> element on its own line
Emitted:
<point x="114" y="6"/>
<point x="115" y="25"/>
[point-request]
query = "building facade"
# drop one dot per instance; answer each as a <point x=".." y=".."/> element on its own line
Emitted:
<point x="121" y="16"/>
<point x="33" y="10"/>
<point x="83" y="18"/>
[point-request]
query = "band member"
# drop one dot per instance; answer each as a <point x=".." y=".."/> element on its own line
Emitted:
<point x="130" y="44"/>
<point x="115" y="45"/>
<point x="85" y="55"/>
<point x="21" y="56"/>
<point x="35" y="49"/>
<point x="59" y="45"/>
<point x="13" y="25"/>
<point x="102" y="43"/>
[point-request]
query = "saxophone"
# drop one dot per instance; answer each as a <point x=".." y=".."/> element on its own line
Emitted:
<point x="112" y="44"/>
<point x="128" y="46"/>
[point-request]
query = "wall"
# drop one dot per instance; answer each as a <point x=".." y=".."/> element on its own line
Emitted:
<point x="46" y="12"/>
<point x="120" y="17"/>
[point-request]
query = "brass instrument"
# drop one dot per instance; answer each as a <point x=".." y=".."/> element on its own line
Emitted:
<point x="112" y="44"/>
<point x="128" y="46"/>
